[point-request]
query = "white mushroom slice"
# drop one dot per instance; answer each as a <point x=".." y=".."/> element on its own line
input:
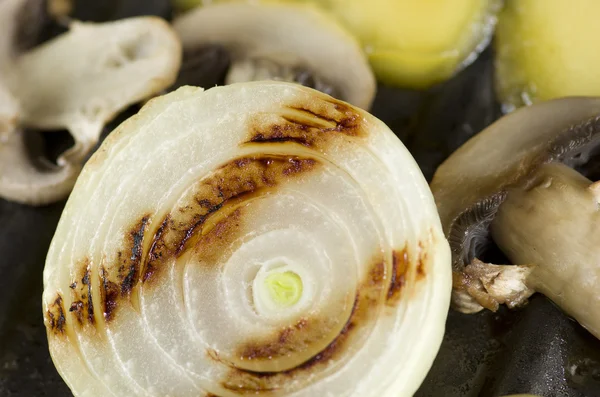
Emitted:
<point x="23" y="180"/>
<point x="282" y="42"/>
<point x="83" y="78"/>
<point x="258" y="239"/>
<point x="517" y="184"/>
<point x="80" y="81"/>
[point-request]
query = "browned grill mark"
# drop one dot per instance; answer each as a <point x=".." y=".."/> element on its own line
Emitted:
<point x="156" y="249"/>
<point x="232" y="182"/>
<point x="279" y="139"/>
<point x="235" y="382"/>
<point x="421" y="266"/>
<point x="117" y="277"/>
<point x="423" y="258"/>
<point x="400" y="264"/>
<point x="289" y="341"/>
<point x="312" y="125"/>
<point x="56" y="316"/>
<point x="210" y="247"/>
<point x="370" y="292"/>
<point x="376" y="275"/>
<point x="132" y="264"/>
<point x="336" y="345"/>
<point x="82" y="306"/>
<point x="197" y="225"/>
<point x="90" y="302"/>
<point x="109" y="293"/>
<point x="77" y="309"/>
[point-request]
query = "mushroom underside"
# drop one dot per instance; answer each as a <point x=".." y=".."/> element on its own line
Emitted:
<point x="480" y="283"/>
<point x="214" y="64"/>
<point x="578" y="148"/>
<point x="284" y="42"/>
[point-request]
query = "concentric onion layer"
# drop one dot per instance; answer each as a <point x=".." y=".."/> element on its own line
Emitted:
<point x="259" y="238"/>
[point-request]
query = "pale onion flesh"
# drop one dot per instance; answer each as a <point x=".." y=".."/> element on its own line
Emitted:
<point x="259" y="238"/>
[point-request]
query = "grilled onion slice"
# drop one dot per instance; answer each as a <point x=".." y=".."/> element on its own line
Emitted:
<point x="254" y="239"/>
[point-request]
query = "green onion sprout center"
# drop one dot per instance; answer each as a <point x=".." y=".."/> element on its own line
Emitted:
<point x="285" y="288"/>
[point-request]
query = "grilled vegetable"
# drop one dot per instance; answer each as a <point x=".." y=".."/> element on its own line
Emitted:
<point x="257" y="238"/>
<point x="409" y="43"/>
<point x="524" y="184"/>
<point x="296" y="43"/>
<point x="78" y="81"/>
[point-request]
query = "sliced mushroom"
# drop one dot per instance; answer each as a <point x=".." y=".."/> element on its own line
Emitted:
<point x="78" y="81"/>
<point x="295" y="43"/>
<point x="98" y="69"/>
<point x="25" y="180"/>
<point x="517" y="184"/>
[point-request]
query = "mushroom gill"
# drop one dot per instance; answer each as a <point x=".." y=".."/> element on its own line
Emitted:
<point x="522" y="185"/>
<point x="286" y="42"/>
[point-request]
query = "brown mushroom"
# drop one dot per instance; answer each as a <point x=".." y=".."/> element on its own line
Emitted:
<point x="517" y="184"/>
<point x="78" y="81"/>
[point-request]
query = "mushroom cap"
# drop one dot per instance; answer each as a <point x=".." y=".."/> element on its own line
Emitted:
<point x="287" y="34"/>
<point x="505" y="152"/>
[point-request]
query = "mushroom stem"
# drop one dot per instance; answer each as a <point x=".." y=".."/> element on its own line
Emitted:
<point x="487" y="286"/>
<point x="257" y="69"/>
<point x="553" y="219"/>
<point x="298" y="43"/>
